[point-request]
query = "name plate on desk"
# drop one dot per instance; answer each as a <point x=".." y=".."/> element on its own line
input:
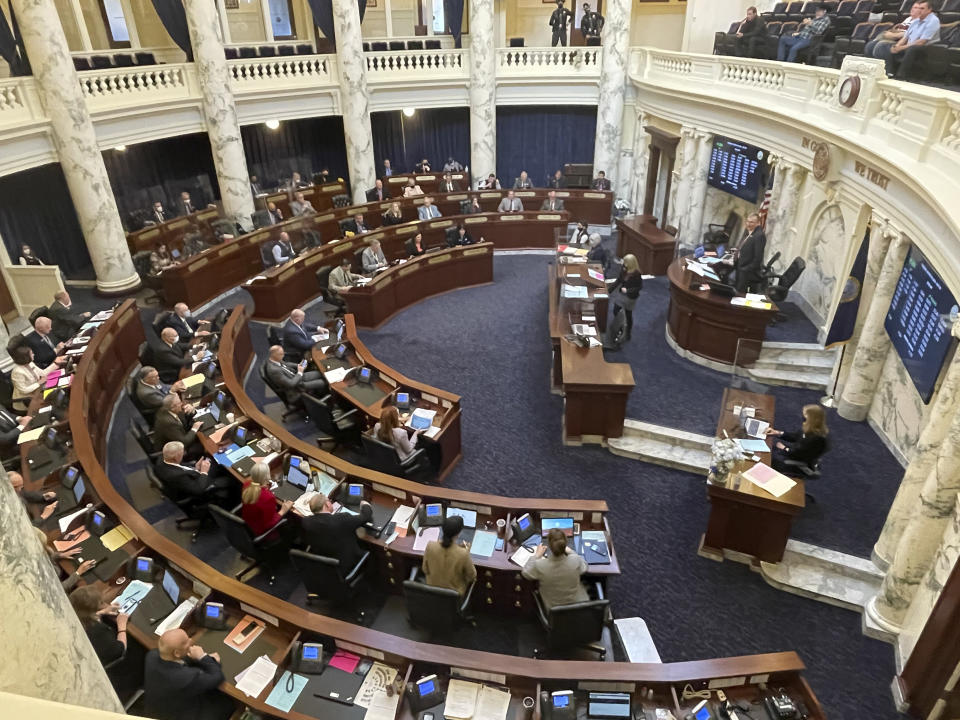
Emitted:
<point x="389" y="380"/>
<point x="456" y="196"/>
<point x="474" y="220"/>
<point x="563" y="193"/>
<point x="596" y="195"/>
<point x="147" y="234"/>
<point x="476" y="251"/>
<point x="423" y="178"/>
<point x="228" y="249"/>
<point x="511" y="218"/>
<point x="197" y="264"/>
<point x="391" y="491"/>
<point x="331" y="188"/>
<point x="404" y="271"/>
<point x="286" y="273"/>
<point x="549" y="217"/>
<point x="317" y="219"/>
<point x="406" y="230"/>
<point x="176" y="224"/>
<point x="525" y="193"/>
<point x="491" y="195"/>
<point x="355" y="210"/>
<point x="257" y="237"/>
<point x="206" y="214"/>
<point x="440" y="224"/>
<point x="430" y="398"/>
<point x="440" y="259"/>
<point x="396" y="180"/>
<point x="383" y="281"/>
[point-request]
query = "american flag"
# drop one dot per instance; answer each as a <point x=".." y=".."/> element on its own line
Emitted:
<point x="765" y="208"/>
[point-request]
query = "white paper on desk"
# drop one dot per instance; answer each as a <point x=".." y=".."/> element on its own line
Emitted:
<point x="321" y="336"/>
<point x="401" y="516"/>
<point x="81" y="340"/>
<point x="132" y="595"/>
<point x="30" y="435"/>
<point x="431" y="431"/>
<point x="574" y="291"/>
<point x="647" y="277"/>
<point x="76" y="351"/>
<point x="382" y="707"/>
<point x="363" y="281"/>
<point x="302" y="503"/>
<point x="101" y="316"/>
<point x="175" y="619"/>
<point x="67" y="519"/>
<point x="581" y="329"/>
<point x="378" y="678"/>
<point x="755" y="297"/>
<point x="461" y="699"/>
<point x="428" y="534"/>
<point x="522" y="556"/>
<point x="255" y="278"/>
<point x="255" y="678"/>
<point x="492" y="704"/>
<point x="594" y="342"/>
<point x="335" y="375"/>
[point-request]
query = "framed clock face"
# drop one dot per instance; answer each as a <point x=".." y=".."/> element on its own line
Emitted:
<point x="849" y="91"/>
<point x="821" y="161"/>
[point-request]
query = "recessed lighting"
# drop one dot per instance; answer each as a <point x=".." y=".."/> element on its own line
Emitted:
<point x="272" y="124"/>
<point x="120" y="148"/>
<point x="409" y="112"/>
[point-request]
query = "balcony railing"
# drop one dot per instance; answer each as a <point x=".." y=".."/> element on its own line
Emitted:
<point x="533" y="62"/>
<point x="19" y="104"/>
<point x="425" y="65"/>
<point x="282" y="72"/>
<point x="138" y="85"/>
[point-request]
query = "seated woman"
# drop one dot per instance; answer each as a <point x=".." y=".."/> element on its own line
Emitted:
<point x="415" y="246"/>
<point x="626" y="290"/>
<point x="26" y="377"/>
<point x="446" y="563"/>
<point x="160" y="259"/>
<point x="393" y="216"/>
<point x="259" y="508"/>
<point x="805" y="446"/>
<point x="110" y="644"/>
<point x="411" y="189"/>
<point x="558" y="573"/>
<point x="390" y="431"/>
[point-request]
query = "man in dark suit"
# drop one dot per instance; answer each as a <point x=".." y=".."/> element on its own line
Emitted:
<point x="387" y="170"/>
<point x="171" y="355"/>
<point x="10" y="427"/>
<point x="273" y="213"/>
<point x="158" y="214"/>
<point x="186" y="325"/>
<point x="181" y="681"/>
<point x="377" y="193"/>
<point x="298" y="336"/>
<point x="522" y="182"/>
<point x="334" y="536"/>
<point x="45" y="346"/>
<point x="557" y="181"/>
<point x="66" y="322"/>
<point x="591" y="23"/>
<point x="748" y="256"/>
<point x="255" y="188"/>
<point x="47" y="499"/>
<point x="173" y="424"/>
<point x="149" y="392"/>
<point x="552" y="203"/>
<point x="423" y="166"/>
<point x="447" y="185"/>
<point x="185" y="204"/>
<point x="752" y="36"/>
<point x="601" y="182"/>
<point x="293" y="379"/>
<point x="182" y="481"/>
<point x="558" y="23"/>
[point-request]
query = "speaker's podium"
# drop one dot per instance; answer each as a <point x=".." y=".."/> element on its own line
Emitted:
<point x="578" y="175"/>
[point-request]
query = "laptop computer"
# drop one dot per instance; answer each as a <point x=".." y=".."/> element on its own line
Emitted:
<point x="71" y="491"/>
<point x="297" y="480"/>
<point x="469" y="522"/>
<point x="209" y="415"/>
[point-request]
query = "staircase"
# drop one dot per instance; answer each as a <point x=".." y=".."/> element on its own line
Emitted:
<point x="802" y="365"/>
<point x="663" y="446"/>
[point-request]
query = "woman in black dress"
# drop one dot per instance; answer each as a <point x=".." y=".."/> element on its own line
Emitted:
<point x="626" y="290"/>
<point x="805" y="446"/>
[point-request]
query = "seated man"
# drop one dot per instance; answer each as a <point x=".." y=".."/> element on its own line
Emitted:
<point x="522" y="182"/>
<point x="300" y="206"/>
<point x="334" y="536"/>
<point x="902" y="56"/>
<point x="10" y="428"/>
<point x="150" y="392"/>
<point x="342" y="279"/>
<point x="186" y="325"/>
<point x="491" y="183"/>
<point x="510" y="204"/>
<point x="558" y="181"/>
<point x="552" y="203"/>
<point x="359" y="224"/>
<point x="892" y="35"/>
<point x="66" y="322"/>
<point x="273" y="213"/>
<point x="181" y="681"/>
<point x="298" y="335"/>
<point x="811" y="28"/>
<point x="47" y="499"/>
<point x="182" y="481"/>
<point x="282" y="250"/>
<point x="451" y="166"/>
<point x="752" y="36"/>
<point x="173" y="423"/>
<point x="373" y="258"/>
<point x="185" y="205"/>
<point x="601" y="182"/>
<point x="387" y="170"/>
<point x="172" y="355"/>
<point x="447" y="185"/>
<point x="422" y="167"/>
<point x="428" y="211"/>
<point x="580" y="234"/>
<point x="158" y="214"/>
<point x="295" y="183"/>
<point x="293" y="379"/>
<point x="377" y="193"/>
<point x="46" y="348"/>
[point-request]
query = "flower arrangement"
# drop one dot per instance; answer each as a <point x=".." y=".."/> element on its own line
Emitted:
<point x="725" y="454"/>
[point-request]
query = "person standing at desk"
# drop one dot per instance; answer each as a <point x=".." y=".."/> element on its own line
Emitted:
<point x="334" y="536"/>
<point x="448" y="564"/>
<point x="387" y="170"/>
<point x="259" y="505"/>
<point x="805" y="446"/>
<point x="748" y="256"/>
<point x="181" y="680"/>
<point x="557" y="573"/>
<point x="626" y="290"/>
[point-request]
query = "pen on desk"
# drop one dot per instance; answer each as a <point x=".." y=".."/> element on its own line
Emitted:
<point x="155" y="620"/>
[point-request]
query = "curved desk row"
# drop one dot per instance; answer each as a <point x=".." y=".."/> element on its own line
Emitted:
<point x="219" y="269"/>
<point x="171" y="232"/>
<point x="112" y="356"/>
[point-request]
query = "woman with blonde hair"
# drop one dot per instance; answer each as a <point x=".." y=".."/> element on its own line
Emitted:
<point x="259" y="508"/>
<point x="390" y="431"/>
<point x="393" y="216"/>
<point x="626" y="290"/>
<point x="805" y="446"/>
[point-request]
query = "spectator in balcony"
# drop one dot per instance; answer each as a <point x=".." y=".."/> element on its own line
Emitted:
<point x="387" y="170"/>
<point x="752" y="36"/>
<point x="428" y="211"/>
<point x="491" y="183"/>
<point x="558" y="23"/>
<point x="185" y="204"/>
<point x="522" y="182"/>
<point x="300" y="206"/>
<point x="900" y="57"/>
<point x="591" y="23"/>
<point x="274" y="213"/>
<point x="510" y="204"/>
<point x="601" y="182"/>
<point x="893" y="34"/>
<point x="447" y="185"/>
<point x="411" y="189"/>
<point x="557" y="181"/>
<point x="422" y="167"/>
<point x="452" y="165"/>
<point x="376" y="193"/>
<point x="811" y="28"/>
<point x="393" y="216"/>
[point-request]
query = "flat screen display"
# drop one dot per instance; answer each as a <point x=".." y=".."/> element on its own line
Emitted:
<point x="79" y="489"/>
<point x="213" y="611"/>
<point x="240" y="435"/>
<point x="564" y="524"/>
<point x="143" y="565"/>
<point x="97" y="519"/>
<point x="918" y="322"/>
<point x="356" y="490"/>
<point x="311" y="652"/>
<point x="170" y="587"/>
<point x="298" y="475"/>
<point x="365" y="374"/>
<point x="433" y="509"/>
<point x="737" y="168"/>
<point x="523" y="522"/>
<point x="560" y="701"/>
<point x="426" y="687"/>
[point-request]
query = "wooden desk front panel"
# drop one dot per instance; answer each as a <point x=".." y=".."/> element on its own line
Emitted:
<point x="172" y="231"/>
<point x="653" y="248"/>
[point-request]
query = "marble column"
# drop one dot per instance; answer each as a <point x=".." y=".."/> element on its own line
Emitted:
<point x="946" y="406"/>
<point x="354" y="98"/>
<point x="872" y="347"/>
<point x="641" y="162"/>
<point x="46" y="653"/>
<point x="223" y="127"/>
<point x="693" y="217"/>
<point x="615" y="39"/>
<point x="683" y="170"/>
<point x="76" y="143"/>
<point x="483" y="90"/>
<point x="781" y="234"/>
<point x="932" y="584"/>
<point x="922" y="534"/>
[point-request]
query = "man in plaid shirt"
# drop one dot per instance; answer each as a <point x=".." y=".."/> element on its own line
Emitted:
<point x="790" y="45"/>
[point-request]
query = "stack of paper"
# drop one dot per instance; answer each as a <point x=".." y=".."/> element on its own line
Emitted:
<point x="402" y="516"/>
<point x="425" y="536"/>
<point x="581" y="329"/>
<point x="769" y="479"/>
<point x="176" y="618"/>
<point x="749" y="445"/>
<point x="745" y="302"/>
<point x="336" y="375"/>
<point x="255" y="678"/>
<point x="30" y="435"/>
<point x="382" y="707"/>
<point x="378" y="678"/>
<point x="117" y="538"/>
<point x="189" y="382"/>
<point x="473" y="701"/>
<point x="574" y="291"/>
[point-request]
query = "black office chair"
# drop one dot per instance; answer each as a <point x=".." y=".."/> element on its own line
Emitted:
<point x="42" y="311"/>
<point x="593" y="42"/>
<point x="516" y="42"/>
<point x="780" y="291"/>
<point x="324" y="580"/>
<point x="145" y="353"/>
<point x="195" y="509"/>
<point x="248" y="52"/>
<point x="437" y="609"/>
<point x="274" y="336"/>
<point x="574" y="626"/>
<point x="384" y="458"/>
<point x="266" y="255"/>
<point x="81" y="63"/>
<point x="432" y="44"/>
<point x="366" y="47"/>
<point x="144" y="439"/>
<point x="145" y="58"/>
<point x="267" y="549"/>
<point x="141" y="263"/>
<point x="452" y="236"/>
<point x="414" y="44"/>
<point x="291" y="400"/>
<point x="339" y="428"/>
<point x="123" y="60"/>
<point x="397" y="45"/>
<point x="231" y="53"/>
<point x="312" y="239"/>
<point x="160" y="321"/>
<point x="268" y="51"/>
<point x="101" y="62"/>
<point x="378" y="46"/>
<point x="304" y="49"/>
<point x="286" y="50"/>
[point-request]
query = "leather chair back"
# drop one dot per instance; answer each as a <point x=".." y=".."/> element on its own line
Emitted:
<point x="432" y="608"/>
<point x="236" y="530"/>
<point x="145" y="58"/>
<point x="321" y="575"/>
<point x="321" y="415"/>
<point x="382" y="457"/>
<point x="576" y="624"/>
<point x="287" y="50"/>
<point x="323" y="277"/>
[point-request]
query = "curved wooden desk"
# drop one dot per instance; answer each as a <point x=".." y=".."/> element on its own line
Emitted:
<point x="706" y="324"/>
<point x="171" y="232"/>
<point x="112" y="355"/>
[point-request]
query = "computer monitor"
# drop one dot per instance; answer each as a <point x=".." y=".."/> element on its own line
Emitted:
<point x="298" y="472"/>
<point x="170" y="587"/>
<point x="563" y="524"/>
<point x="403" y="401"/>
<point x="469" y="516"/>
<point x="214" y="411"/>
<point x="340" y="329"/>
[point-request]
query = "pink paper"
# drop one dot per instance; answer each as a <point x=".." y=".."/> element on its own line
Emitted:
<point x="345" y="661"/>
<point x="52" y="378"/>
